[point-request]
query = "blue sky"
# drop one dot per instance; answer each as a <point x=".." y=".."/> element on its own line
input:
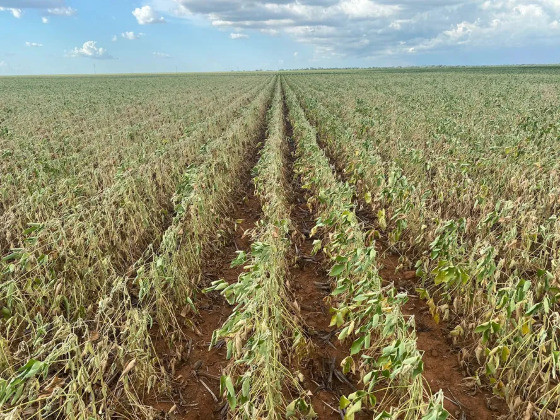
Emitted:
<point x="66" y="36"/>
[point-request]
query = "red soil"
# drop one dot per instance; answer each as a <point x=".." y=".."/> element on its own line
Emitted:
<point x="441" y="364"/>
<point x="196" y="392"/>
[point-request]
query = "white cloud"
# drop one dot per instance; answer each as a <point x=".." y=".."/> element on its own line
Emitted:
<point x="508" y="24"/>
<point x="33" y="44"/>
<point x="17" y="13"/>
<point x="130" y="35"/>
<point x="296" y="53"/>
<point x="62" y="11"/>
<point x="114" y="38"/>
<point x="146" y="15"/>
<point x="3" y="64"/>
<point x="45" y="19"/>
<point x="363" y="9"/>
<point x="90" y="50"/>
<point x="51" y="7"/>
<point x="160" y="54"/>
<point x="372" y="28"/>
<point x="235" y="35"/>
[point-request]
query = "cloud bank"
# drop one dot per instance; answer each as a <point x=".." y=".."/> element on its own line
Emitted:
<point x="365" y="28"/>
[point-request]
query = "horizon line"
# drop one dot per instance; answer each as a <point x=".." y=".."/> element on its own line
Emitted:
<point x="431" y="66"/>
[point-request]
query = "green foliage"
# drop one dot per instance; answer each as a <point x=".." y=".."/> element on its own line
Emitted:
<point x="470" y="187"/>
<point x="364" y="311"/>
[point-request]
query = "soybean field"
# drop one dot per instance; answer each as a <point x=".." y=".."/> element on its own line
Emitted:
<point x="331" y="244"/>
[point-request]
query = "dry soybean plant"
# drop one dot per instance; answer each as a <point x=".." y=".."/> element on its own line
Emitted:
<point x="262" y="334"/>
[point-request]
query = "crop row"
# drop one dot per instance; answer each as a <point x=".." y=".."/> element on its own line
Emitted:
<point x="262" y="334"/>
<point x="82" y="318"/>
<point x="365" y="311"/>
<point x="78" y="180"/>
<point x="486" y="248"/>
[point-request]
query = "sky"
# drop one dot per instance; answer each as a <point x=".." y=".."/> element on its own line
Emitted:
<point x="127" y="36"/>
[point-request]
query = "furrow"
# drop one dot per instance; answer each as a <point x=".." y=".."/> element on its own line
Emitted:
<point x="442" y="369"/>
<point x="390" y="365"/>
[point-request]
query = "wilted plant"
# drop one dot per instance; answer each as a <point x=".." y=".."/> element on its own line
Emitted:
<point x="364" y="310"/>
<point x="469" y="195"/>
<point x="262" y="333"/>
